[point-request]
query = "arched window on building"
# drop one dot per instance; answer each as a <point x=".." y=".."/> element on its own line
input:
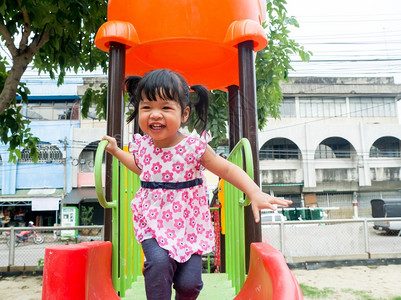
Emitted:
<point x="48" y="153"/>
<point x="334" y="147"/>
<point x="279" y="148"/>
<point x="86" y="159"/>
<point x="385" y="147"/>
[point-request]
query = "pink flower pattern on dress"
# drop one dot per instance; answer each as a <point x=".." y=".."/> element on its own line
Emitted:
<point x="147" y="176"/>
<point x="179" y="223"/>
<point x="178" y="167"/>
<point x="189" y="175"/>
<point x="190" y="159"/>
<point x="147" y="159"/>
<point x="166" y="157"/>
<point x="167" y="176"/>
<point x="153" y="214"/>
<point x="177" y="207"/>
<point x="156" y="168"/>
<point x="180" y="149"/>
<point x="179" y="219"/>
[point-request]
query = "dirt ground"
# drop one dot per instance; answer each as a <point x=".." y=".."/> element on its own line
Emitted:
<point x="358" y="282"/>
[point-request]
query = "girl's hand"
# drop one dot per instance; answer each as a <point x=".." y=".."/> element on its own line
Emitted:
<point x="124" y="157"/>
<point x="260" y="200"/>
<point x="111" y="147"/>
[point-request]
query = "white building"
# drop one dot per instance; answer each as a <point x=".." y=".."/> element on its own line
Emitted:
<point x="337" y="144"/>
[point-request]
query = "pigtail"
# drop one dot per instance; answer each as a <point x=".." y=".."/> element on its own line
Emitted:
<point x="131" y="84"/>
<point x="201" y="104"/>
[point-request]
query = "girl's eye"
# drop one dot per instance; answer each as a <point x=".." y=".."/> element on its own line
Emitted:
<point x="145" y="107"/>
<point x="166" y="107"/>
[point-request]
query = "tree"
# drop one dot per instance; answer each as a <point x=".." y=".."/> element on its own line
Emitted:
<point x="53" y="36"/>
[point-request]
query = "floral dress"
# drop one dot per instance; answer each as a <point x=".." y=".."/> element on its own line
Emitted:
<point x="171" y="204"/>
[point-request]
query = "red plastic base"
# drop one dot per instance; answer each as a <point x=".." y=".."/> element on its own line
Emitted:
<point x="79" y="272"/>
<point x="269" y="276"/>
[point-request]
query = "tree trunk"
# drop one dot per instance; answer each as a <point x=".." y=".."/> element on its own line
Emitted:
<point x="13" y="79"/>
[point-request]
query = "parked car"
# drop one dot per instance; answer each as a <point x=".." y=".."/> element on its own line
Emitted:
<point x="385" y="208"/>
<point x="272" y="217"/>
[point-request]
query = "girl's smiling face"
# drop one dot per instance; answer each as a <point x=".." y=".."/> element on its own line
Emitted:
<point x="161" y="119"/>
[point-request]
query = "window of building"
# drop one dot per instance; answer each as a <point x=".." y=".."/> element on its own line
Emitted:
<point x="45" y="110"/>
<point x="87" y="158"/>
<point x="287" y="108"/>
<point x="334" y="147"/>
<point x="279" y="148"/>
<point x="386" y="147"/>
<point x="372" y="107"/>
<point x="313" y="107"/>
<point x="47" y="154"/>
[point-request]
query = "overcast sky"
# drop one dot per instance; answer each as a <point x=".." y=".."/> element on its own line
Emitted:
<point x="348" y="37"/>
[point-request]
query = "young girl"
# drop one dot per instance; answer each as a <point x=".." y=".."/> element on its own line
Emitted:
<point x="170" y="210"/>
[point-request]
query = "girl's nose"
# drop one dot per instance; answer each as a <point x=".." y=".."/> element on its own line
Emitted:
<point x="156" y="114"/>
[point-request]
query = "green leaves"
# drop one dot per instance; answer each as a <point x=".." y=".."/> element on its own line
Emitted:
<point x="14" y="129"/>
<point x="217" y="119"/>
<point x="59" y="35"/>
<point x="97" y="97"/>
<point x="17" y="134"/>
<point x="273" y="63"/>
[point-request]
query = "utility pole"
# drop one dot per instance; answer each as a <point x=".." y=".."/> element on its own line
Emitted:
<point x="64" y="160"/>
<point x="65" y="166"/>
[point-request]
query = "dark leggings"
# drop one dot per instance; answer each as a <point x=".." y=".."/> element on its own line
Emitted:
<point x="161" y="271"/>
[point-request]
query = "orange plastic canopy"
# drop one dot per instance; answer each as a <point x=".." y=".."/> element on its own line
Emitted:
<point x="196" y="38"/>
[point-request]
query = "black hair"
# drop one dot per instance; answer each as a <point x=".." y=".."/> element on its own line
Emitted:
<point x="167" y="85"/>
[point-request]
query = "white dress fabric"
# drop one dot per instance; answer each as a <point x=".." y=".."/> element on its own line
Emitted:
<point x="171" y="204"/>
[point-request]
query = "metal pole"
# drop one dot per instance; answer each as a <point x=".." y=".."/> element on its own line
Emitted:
<point x="366" y="237"/>
<point x="282" y="241"/>
<point x="65" y="166"/>
<point x="115" y="110"/>
<point x="11" y="250"/>
<point x="247" y="80"/>
<point x="234" y="120"/>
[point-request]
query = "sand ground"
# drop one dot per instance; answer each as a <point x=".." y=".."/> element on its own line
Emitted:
<point x="381" y="282"/>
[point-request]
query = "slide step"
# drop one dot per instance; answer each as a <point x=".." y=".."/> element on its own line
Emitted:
<point x="215" y="286"/>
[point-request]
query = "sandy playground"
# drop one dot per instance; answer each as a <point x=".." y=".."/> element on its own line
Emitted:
<point x="358" y="282"/>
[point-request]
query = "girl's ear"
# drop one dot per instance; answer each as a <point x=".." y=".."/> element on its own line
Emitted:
<point x="185" y="114"/>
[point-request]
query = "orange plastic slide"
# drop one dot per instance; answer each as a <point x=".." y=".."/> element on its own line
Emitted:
<point x="82" y="272"/>
<point x="79" y="272"/>
<point x="269" y="276"/>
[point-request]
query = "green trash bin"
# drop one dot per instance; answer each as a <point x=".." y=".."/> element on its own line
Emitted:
<point x="296" y="214"/>
<point x="317" y="214"/>
<point x="308" y="214"/>
<point x="286" y="213"/>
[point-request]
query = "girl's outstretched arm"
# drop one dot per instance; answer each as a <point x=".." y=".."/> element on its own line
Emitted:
<point x="126" y="158"/>
<point x="238" y="178"/>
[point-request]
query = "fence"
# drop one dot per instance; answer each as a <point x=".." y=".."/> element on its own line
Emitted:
<point x="302" y="241"/>
<point x="27" y="253"/>
<point x="299" y="241"/>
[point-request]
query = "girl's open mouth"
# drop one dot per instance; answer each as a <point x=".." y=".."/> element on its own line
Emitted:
<point x="156" y="126"/>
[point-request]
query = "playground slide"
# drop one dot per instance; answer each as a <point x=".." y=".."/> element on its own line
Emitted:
<point x="82" y="272"/>
<point x="269" y="276"/>
<point x="79" y="271"/>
